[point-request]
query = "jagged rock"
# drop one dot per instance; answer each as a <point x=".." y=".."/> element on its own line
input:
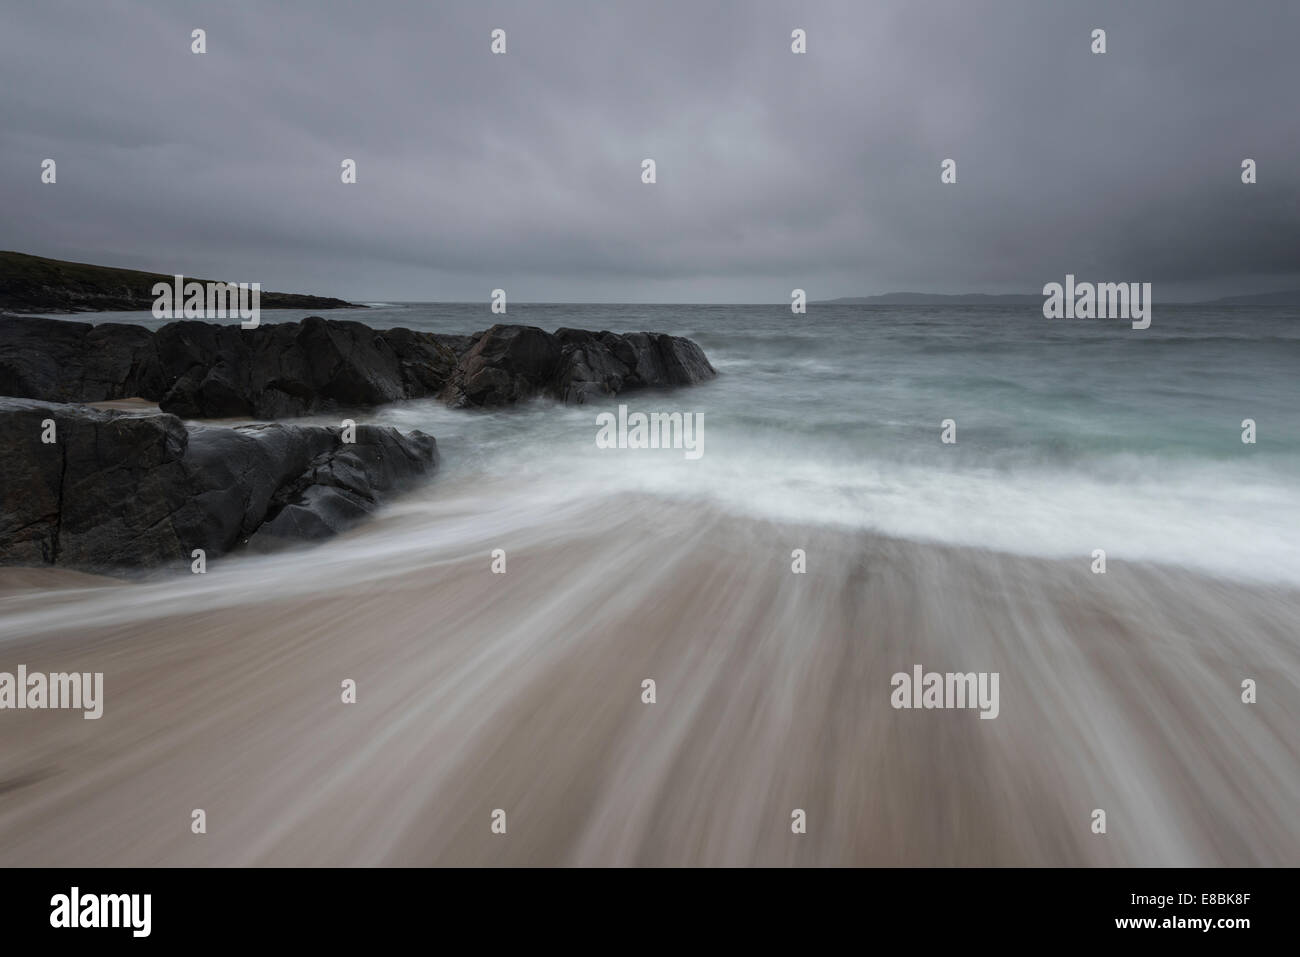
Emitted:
<point x="209" y="370"/>
<point x="505" y="364"/>
<point x="128" y="490"/>
<point x="605" y="363"/>
<point x="61" y="361"/>
<point x="288" y="369"/>
<point x="509" y="363"/>
<point x="122" y="490"/>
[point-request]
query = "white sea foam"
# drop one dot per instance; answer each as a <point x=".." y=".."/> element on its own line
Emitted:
<point x="1236" y="519"/>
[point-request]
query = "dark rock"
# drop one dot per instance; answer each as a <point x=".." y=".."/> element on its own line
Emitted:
<point x="510" y="363"/>
<point x="343" y="484"/>
<point x="505" y="365"/>
<point x="127" y="490"/>
<point x="103" y="493"/>
<point x="209" y="370"/>
<point x="288" y="369"/>
<point x="61" y="361"/>
<point x="605" y="363"/>
<point x="426" y="360"/>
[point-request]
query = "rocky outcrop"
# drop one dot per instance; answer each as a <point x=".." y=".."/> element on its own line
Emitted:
<point x="288" y="369"/>
<point x="603" y="363"/>
<point x="125" y="490"/>
<point x="36" y="284"/>
<point x="507" y="364"/>
<point x="60" y="361"/>
<point x="209" y="370"/>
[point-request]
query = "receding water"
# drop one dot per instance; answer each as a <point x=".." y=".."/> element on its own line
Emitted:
<point x="522" y="690"/>
<point x="1071" y="434"/>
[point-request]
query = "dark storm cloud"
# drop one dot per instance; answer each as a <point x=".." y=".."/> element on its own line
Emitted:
<point x="775" y="170"/>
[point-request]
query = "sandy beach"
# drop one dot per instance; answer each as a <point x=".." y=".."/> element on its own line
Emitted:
<point x="523" y="692"/>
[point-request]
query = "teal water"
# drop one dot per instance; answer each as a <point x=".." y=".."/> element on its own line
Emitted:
<point x="1071" y="434"/>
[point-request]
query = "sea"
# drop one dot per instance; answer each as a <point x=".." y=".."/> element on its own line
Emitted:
<point x="1067" y="436"/>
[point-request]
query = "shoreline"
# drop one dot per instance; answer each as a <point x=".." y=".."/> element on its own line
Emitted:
<point x="522" y="691"/>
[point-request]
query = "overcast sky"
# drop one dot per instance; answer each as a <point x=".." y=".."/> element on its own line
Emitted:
<point x="775" y="170"/>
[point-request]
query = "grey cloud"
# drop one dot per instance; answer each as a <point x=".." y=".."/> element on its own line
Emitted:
<point x="775" y="170"/>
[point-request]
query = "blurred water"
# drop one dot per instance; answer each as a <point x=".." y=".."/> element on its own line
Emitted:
<point x="522" y="691"/>
<point x="1071" y="434"/>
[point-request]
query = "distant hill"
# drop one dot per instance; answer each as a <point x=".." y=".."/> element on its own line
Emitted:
<point x="1288" y="298"/>
<point x="36" y="284"/>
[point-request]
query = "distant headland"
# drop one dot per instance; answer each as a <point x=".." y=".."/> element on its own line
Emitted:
<point x="1290" y="297"/>
<point x="36" y="284"/>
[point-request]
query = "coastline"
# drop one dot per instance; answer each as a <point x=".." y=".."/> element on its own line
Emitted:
<point x="523" y="692"/>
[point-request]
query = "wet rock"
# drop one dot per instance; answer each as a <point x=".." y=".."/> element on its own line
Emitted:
<point x="126" y="490"/>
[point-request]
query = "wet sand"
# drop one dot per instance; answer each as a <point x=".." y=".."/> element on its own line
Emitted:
<point x="522" y="691"/>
